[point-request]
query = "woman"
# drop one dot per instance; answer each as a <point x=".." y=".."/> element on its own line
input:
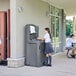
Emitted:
<point x="71" y="44"/>
<point x="48" y="47"/>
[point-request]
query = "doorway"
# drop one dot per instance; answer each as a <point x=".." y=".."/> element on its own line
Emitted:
<point x="4" y="36"/>
<point x="55" y="30"/>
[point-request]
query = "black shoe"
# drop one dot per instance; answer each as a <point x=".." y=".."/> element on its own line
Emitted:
<point x="73" y="56"/>
<point x="49" y="65"/>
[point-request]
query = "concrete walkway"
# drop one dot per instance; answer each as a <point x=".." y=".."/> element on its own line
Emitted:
<point x="62" y="66"/>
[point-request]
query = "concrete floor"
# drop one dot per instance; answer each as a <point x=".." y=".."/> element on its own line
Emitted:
<point x="62" y="66"/>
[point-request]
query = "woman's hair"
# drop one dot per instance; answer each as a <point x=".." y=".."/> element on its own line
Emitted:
<point x="71" y="35"/>
<point x="48" y="30"/>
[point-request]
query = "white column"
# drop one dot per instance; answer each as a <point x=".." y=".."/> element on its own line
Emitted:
<point x="16" y="59"/>
<point x="74" y="19"/>
<point x="63" y="31"/>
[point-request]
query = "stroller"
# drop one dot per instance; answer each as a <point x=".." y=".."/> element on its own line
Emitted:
<point x="69" y="51"/>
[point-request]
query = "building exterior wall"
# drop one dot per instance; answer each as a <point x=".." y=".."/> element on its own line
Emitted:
<point x="34" y="12"/>
<point x="4" y="5"/>
<point x="25" y="12"/>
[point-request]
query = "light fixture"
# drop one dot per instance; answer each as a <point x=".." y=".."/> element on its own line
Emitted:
<point x="20" y="9"/>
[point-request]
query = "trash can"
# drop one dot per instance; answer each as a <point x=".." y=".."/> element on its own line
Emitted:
<point x="34" y="49"/>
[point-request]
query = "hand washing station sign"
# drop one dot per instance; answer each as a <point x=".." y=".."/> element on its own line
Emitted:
<point x="32" y="29"/>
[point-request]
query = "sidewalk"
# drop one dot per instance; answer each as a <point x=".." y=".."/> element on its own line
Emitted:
<point x="62" y="66"/>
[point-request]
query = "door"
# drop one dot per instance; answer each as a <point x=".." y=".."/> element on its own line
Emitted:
<point x="55" y="30"/>
<point x="3" y="35"/>
<point x="8" y="33"/>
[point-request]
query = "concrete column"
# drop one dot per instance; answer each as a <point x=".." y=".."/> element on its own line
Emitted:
<point x="16" y="59"/>
<point x="63" y="31"/>
<point x="74" y="19"/>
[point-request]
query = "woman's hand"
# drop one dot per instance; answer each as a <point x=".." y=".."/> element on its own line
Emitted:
<point x="40" y="38"/>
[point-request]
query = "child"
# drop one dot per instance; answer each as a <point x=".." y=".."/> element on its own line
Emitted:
<point x="48" y="47"/>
